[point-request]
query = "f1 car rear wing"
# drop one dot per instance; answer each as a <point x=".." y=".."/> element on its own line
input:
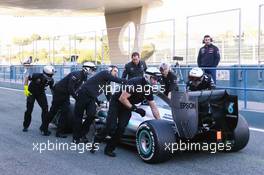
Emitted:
<point x="189" y="108"/>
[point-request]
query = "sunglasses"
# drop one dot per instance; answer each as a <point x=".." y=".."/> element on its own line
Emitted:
<point x="194" y="78"/>
<point x="154" y="78"/>
<point x="94" y="69"/>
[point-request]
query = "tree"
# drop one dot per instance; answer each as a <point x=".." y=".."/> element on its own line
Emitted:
<point x="21" y="42"/>
<point x="34" y="38"/>
<point x="147" y="51"/>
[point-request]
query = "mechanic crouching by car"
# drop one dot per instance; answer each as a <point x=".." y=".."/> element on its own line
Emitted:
<point x="36" y="91"/>
<point x="168" y="80"/>
<point x="86" y="99"/>
<point x="61" y="95"/>
<point x="123" y="103"/>
<point x="135" y="68"/>
<point x="198" y="80"/>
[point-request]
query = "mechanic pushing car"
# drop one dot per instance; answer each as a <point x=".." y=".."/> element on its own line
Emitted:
<point x="28" y="70"/>
<point x="86" y="99"/>
<point x="198" y="80"/>
<point x="36" y="91"/>
<point x="63" y="89"/>
<point x="123" y="103"/>
<point x="134" y="68"/>
<point x="168" y="79"/>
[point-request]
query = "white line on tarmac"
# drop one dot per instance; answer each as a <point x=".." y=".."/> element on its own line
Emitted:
<point x="256" y="129"/>
<point x="19" y="90"/>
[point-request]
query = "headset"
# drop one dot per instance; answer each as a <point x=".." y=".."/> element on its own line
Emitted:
<point x="207" y="36"/>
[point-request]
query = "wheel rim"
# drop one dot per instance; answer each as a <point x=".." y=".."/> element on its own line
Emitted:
<point x="145" y="142"/>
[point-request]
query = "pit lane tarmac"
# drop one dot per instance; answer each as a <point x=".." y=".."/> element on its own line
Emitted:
<point x="17" y="155"/>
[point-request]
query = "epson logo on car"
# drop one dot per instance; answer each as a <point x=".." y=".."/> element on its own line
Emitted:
<point x="187" y="105"/>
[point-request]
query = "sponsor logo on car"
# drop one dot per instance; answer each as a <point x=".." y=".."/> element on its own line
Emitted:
<point x="187" y="106"/>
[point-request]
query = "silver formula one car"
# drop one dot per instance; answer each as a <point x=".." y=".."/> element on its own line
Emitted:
<point x="190" y="117"/>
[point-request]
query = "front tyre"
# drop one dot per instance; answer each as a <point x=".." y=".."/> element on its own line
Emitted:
<point x="152" y="137"/>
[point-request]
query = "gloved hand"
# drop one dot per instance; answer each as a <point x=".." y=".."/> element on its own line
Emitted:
<point x="124" y="81"/>
<point x="26" y="91"/>
<point x="98" y="102"/>
<point x="140" y="111"/>
<point x="75" y="95"/>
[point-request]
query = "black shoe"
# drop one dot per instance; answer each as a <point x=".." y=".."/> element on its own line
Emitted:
<point x="76" y="141"/>
<point x="25" y="130"/>
<point x="80" y="140"/>
<point x="93" y="148"/>
<point x="109" y="153"/>
<point x="95" y="140"/>
<point x="60" y="135"/>
<point x="84" y="139"/>
<point x="44" y="132"/>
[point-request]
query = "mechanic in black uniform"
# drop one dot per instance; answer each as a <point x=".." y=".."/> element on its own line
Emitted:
<point x="209" y="56"/>
<point x="36" y="91"/>
<point x="135" y="68"/>
<point x="28" y="69"/>
<point x="86" y="99"/>
<point x="168" y="79"/>
<point x="198" y="80"/>
<point x="61" y="95"/>
<point x="123" y="103"/>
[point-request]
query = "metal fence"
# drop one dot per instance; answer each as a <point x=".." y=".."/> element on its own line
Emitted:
<point x="225" y="28"/>
<point x="155" y="42"/>
<point x="155" y="39"/>
<point x="236" y="46"/>
<point x="260" y="35"/>
<point x="159" y="36"/>
<point x="246" y="82"/>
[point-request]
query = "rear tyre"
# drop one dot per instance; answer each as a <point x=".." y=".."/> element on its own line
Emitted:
<point x="240" y="134"/>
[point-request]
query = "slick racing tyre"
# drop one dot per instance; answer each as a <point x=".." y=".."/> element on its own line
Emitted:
<point x="240" y="134"/>
<point x="152" y="137"/>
